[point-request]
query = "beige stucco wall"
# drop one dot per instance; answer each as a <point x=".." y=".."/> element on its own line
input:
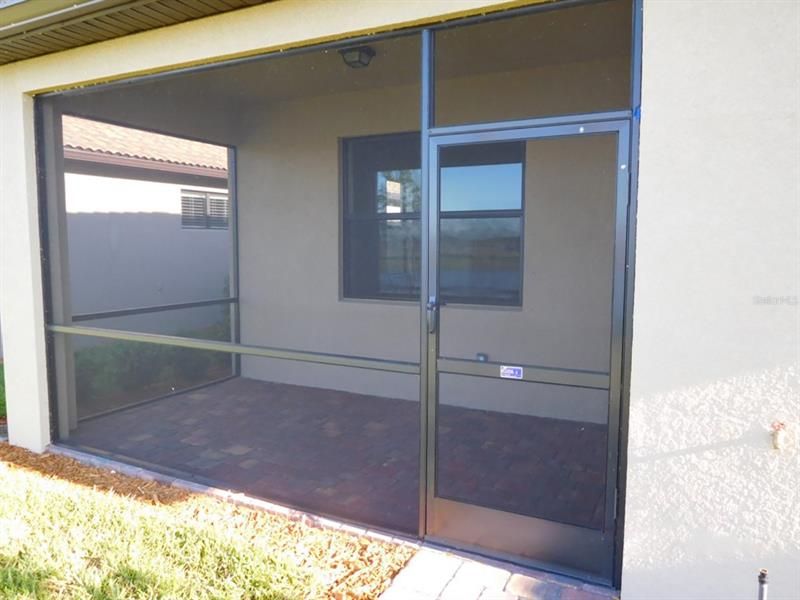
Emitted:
<point x="709" y="501"/>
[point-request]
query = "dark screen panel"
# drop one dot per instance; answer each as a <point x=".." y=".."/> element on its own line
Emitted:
<point x="551" y="62"/>
<point x="526" y="448"/>
<point x="111" y="375"/>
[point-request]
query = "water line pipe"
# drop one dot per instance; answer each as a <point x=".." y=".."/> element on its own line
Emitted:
<point x="762" y="584"/>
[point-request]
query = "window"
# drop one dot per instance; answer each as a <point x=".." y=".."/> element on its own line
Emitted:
<point x="480" y="223"/>
<point x="480" y="230"/>
<point x="382" y="217"/>
<point x="204" y="210"/>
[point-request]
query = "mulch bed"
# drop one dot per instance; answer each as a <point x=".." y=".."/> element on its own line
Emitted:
<point x="352" y="567"/>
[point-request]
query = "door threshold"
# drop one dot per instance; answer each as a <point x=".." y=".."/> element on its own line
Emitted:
<point x="549" y="571"/>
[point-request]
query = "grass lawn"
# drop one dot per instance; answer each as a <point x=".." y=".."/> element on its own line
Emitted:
<point x="72" y="531"/>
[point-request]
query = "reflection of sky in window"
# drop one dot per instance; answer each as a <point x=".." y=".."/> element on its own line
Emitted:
<point x="482" y="187"/>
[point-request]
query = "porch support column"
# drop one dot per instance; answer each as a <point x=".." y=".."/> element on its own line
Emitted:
<point x="21" y="299"/>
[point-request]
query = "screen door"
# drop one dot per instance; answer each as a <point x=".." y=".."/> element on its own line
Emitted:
<point x="526" y="270"/>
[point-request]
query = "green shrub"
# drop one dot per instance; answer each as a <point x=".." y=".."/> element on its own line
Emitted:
<point x="112" y="373"/>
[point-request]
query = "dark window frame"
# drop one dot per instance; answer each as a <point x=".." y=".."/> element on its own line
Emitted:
<point x="348" y="216"/>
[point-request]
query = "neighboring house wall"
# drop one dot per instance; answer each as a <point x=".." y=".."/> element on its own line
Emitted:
<point x="709" y="501"/>
<point x="127" y="249"/>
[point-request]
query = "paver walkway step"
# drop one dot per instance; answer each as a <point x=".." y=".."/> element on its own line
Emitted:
<point x="438" y="575"/>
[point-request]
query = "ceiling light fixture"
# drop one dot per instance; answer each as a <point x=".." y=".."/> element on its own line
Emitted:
<point x="357" y="57"/>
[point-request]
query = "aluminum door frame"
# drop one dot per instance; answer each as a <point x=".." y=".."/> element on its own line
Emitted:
<point x="557" y="537"/>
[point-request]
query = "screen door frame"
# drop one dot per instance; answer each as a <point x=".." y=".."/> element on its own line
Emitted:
<point x="551" y="545"/>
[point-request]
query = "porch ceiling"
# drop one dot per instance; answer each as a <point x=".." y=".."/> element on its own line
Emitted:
<point x="591" y="32"/>
<point x="322" y="73"/>
<point x="31" y="28"/>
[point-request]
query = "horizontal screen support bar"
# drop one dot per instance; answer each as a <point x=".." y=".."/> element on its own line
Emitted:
<point x="528" y="373"/>
<point x="617" y="115"/>
<point x="338" y="360"/>
<point x="141" y="310"/>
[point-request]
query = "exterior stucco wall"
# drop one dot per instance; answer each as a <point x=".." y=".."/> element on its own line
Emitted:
<point x="715" y="333"/>
<point x="21" y="300"/>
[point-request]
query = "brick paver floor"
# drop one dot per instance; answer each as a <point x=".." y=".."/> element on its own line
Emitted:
<point x="355" y="456"/>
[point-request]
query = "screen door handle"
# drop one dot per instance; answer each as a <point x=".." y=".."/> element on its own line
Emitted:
<point x="432" y="309"/>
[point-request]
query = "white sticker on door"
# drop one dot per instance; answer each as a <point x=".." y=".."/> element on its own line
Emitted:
<point x="511" y="372"/>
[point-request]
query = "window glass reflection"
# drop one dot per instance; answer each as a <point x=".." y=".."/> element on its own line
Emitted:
<point x="481" y="187"/>
<point x="480" y="228"/>
<point x="480" y="260"/>
<point x="398" y="191"/>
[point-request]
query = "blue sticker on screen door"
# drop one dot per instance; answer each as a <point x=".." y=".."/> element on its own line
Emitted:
<point x="511" y="372"/>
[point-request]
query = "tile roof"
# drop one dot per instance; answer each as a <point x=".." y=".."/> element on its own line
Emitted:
<point x="114" y="140"/>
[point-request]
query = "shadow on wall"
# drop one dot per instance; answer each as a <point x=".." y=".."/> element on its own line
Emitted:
<point x="713" y="496"/>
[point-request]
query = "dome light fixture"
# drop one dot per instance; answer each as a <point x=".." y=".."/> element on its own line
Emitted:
<point x="357" y="57"/>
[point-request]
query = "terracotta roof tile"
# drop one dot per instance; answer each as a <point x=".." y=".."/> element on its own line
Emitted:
<point x="96" y="136"/>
